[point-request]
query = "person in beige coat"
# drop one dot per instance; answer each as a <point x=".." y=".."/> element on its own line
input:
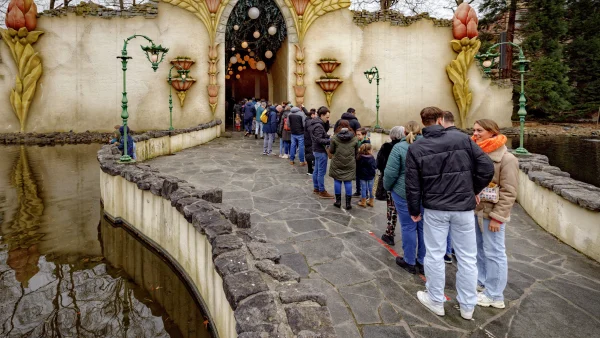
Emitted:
<point x="492" y="213"/>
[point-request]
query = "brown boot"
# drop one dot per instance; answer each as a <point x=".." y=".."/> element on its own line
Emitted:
<point x="362" y="203"/>
<point x="325" y="195"/>
<point x="316" y="191"/>
<point x="371" y="202"/>
<point x="302" y="164"/>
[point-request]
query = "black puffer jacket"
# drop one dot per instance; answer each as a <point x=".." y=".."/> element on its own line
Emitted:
<point x="354" y="124"/>
<point x="308" y="153"/>
<point x="318" y="134"/>
<point x="384" y="153"/>
<point x="444" y="171"/>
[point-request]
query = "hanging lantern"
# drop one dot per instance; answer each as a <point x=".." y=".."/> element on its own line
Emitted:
<point x="251" y="53"/>
<point x="253" y="13"/>
<point x="260" y="65"/>
<point x="246" y="57"/>
<point x="227" y="77"/>
<point x="256" y="34"/>
<point x="232" y="49"/>
<point x="233" y="60"/>
<point x="272" y="30"/>
<point x="268" y="54"/>
<point x="236" y="27"/>
<point x="231" y="72"/>
<point x="244" y="44"/>
<point x="237" y="76"/>
<point x="240" y="68"/>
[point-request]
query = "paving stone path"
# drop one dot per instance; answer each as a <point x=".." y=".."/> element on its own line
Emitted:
<point x="553" y="291"/>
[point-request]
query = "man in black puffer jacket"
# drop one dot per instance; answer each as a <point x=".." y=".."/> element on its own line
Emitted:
<point x="349" y="116"/>
<point x="445" y="171"/>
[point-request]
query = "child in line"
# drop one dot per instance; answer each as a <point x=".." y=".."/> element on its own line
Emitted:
<point x="116" y="137"/>
<point x="366" y="167"/>
<point x="361" y="135"/>
<point x="238" y="122"/>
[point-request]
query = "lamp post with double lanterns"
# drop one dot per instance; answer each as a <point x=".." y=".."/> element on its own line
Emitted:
<point x="488" y="61"/>
<point x="371" y="74"/>
<point x="183" y="74"/>
<point x="155" y="54"/>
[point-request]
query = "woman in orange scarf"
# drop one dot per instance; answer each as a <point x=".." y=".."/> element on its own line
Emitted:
<point x="492" y="214"/>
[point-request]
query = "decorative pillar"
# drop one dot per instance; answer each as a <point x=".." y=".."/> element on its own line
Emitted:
<point x="299" y="88"/>
<point x="213" y="87"/>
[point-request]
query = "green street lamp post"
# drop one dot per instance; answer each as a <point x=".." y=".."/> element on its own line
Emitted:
<point x="154" y="54"/>
<point x="487" y="61"/>
<point x="371" y="74"/>
<point x="183" y="74"/>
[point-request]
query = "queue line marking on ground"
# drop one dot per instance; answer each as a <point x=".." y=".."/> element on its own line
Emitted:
<point x="395" y="254"/>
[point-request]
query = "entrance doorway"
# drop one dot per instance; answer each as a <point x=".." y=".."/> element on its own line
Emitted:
<point x="256" y="31"/>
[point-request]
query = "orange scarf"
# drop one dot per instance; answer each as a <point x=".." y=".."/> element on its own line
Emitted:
<point x="491" y="144"/>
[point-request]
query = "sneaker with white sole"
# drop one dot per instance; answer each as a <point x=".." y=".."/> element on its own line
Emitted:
<point x="485" y="301"/>
<point x="423" y="297"/>
<point x="468" y="315"/>
<point x="480" y="288"/>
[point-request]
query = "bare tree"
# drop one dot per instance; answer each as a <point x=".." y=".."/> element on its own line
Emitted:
<point x="436" y="8"/>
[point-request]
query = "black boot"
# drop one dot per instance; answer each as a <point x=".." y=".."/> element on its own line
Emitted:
<point x="338" y="201"/>
<point x="348" y="202"/>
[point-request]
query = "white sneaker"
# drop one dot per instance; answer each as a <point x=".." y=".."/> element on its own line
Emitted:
<point x="468" y="315"/>
<point x="423" y="297"/>
<point x="485" y="301"/>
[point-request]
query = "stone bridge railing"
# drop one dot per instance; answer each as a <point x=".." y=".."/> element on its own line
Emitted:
<point x="233" y="270"/>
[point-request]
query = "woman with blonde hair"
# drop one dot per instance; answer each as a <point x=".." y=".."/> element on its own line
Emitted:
<point x="492" y="214"/>
<point x="394" y="181"/>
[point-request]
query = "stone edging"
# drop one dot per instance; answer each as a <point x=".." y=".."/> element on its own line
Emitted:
<point x="149" y="10"/>
<point x="395" y="18"/>
<point x="265" y="296"/>
<point x="539" y="170"/>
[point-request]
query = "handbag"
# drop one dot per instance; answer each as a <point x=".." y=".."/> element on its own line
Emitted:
<point x="380" y="193"/>
<point x="491" y="193"/>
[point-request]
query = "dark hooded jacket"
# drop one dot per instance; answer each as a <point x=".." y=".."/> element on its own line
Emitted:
<point x="308" y="154"/>
<point x="354" y="124"/>
<point x="318" y="135"/>
<point x="296" y="120"/>
<point x="444" y="171"/>
<point x="271" y="126"/>
<point x="384" y="153"/>
<point x="121" y="145"/>
<point x="249" y="111"/>
<point x="366" y="167"/>
<point x="285" y="135"/>
<point x="344" y="146"/>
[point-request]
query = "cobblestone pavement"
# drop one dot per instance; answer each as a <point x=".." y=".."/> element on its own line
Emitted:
<point x="553" y="291"/>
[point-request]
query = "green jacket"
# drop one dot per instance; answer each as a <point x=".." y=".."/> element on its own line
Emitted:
<point x="395" y="169"/>
<point x="343" y="147"/>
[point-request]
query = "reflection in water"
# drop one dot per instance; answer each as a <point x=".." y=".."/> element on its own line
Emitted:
<point x="54" y="280"/>
<point x="579" y="157"/>
<point x="22" y="235"/>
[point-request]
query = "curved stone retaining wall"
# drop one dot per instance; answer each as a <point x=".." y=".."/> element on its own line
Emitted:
<point x="244" y="290"/>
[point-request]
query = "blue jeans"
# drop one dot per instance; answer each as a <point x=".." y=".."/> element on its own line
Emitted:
<point x="492" y="266"/>
<point x="449" y="245"/>
<point x="412" y="233"/>
<point x="461" y="225"/>
<point x="337" y="187"/>
<point x="319" y="171"/>
<point x="366" y="188"/>
<point x="284" y="147"/>
<point x="248" y="126"/>
<point x="259" y="127"/>
<point x="297" y="140"/>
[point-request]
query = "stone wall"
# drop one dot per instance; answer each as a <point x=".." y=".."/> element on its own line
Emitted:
<point x="566" y="208"/>
<point x="244" y="289"/>
<point x="148" y="10"/>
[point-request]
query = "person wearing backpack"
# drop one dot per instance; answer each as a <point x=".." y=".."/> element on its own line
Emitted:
<point x="269" y="129"/>
<point x="284" y="132"/>
<point x="262" y="107"/>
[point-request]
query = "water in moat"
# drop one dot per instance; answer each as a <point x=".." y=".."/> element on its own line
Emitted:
<point x="64" y="270"/>
<point x="579" y="156"/>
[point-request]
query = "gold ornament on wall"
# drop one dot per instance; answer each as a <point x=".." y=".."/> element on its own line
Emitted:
<point x="20" y="36"/>
<point x="466" y="44"/>
<point x="329" y="83"/>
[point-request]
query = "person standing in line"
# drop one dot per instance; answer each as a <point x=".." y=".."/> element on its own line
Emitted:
<point x="396" y="135"/>
<point x="492" y="214"/>
<point x="270" y="128"/>
<point x="320" y="140"/>
<point x="413" y="243"/>
<point x="259" y="125"/>
<point x="308" y="154"/>
<point x="343" y="150"/>
<point x="445" y="171"/>
<point x="366" y="168"/>
<point x="296" y="120"/>
<point x="249" y="113"/>
<point x="284" y="131"/>
<point x="350" y="116"/>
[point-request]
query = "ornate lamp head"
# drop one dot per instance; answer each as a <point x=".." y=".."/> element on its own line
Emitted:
<point x="371" y="74"/>
<point x="155" y="54"/>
